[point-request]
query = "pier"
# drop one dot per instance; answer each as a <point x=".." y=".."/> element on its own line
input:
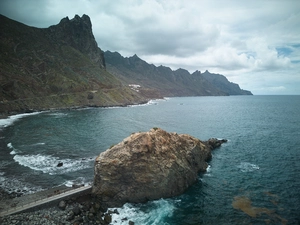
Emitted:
<point x="40" y="200"/>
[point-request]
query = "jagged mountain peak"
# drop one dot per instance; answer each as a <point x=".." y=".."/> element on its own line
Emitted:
<point x="76" y="21"/>
<point x="197" y="73"/>
<point x="78" y="33"/>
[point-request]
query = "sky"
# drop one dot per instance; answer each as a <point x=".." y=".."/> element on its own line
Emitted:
<point x="253" y="43"/>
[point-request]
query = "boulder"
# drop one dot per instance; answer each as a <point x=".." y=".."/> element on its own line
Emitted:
<point x="150" y="165"/>
<point x="76" y="210"/>
<point x="62" y="205"/>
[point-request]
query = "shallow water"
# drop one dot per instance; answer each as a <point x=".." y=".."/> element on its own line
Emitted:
<point x="253" y="178"/>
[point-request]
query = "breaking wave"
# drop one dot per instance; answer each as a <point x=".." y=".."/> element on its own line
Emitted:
<point x="11" y="119"/>
<point x="49" y="164"/>
<point x="154" y="213"/>
<point x="13" y="149"/>
<point x="78" y="181"/>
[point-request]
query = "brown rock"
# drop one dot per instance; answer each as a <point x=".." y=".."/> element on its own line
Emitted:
<point x="149" y="165"/>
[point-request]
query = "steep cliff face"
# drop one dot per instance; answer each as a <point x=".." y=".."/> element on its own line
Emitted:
<point x="222" y="83"/>
<point x="167" y="82"/>
<point x="150" y="165"/>
<point x="78" y="34"/>
<point x="56" y="67"/>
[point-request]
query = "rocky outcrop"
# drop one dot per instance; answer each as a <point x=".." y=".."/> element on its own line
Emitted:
<point x="77" y="33"/>
<point x="150" y="165"/>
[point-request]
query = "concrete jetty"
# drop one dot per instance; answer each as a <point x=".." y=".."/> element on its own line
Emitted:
<point x="32" y="203"/>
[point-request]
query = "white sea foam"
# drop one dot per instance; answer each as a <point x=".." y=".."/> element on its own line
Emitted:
<point x="208" y="169"/>
<point x="36" y="144"/>
<point x="151" y="102"/>
<point x="48" y="164"/>
<point x="9" y="145"/>
<point x="11" y="119"/>
<point x="247" y="167"/>
<point x="153" y="213"/>
<point x="14" y="151"/>
<point x="68" y="183"/>
<point x="78" y="181"/>
<point x="58" y="114"/>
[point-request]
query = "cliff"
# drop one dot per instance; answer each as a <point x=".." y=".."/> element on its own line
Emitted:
<point x="56" y="67"/>
<point x="150" y="165"/>
<point x="165" y="82"/>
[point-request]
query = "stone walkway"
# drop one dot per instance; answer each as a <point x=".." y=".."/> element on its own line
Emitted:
<point x="26" y="202"/>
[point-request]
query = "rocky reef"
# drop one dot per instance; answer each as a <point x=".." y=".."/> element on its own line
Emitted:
<point x="150" y="165"/>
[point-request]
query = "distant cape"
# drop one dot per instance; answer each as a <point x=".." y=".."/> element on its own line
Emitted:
<point x="157" y="81"/>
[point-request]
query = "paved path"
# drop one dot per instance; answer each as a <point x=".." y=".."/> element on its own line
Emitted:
<point x="43" y="201"/>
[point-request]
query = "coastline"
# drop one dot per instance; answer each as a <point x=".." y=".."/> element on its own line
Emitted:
<point x="6" y="115"/>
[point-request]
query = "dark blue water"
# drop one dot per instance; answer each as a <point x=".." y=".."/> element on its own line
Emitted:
<point x="252" y="179"/>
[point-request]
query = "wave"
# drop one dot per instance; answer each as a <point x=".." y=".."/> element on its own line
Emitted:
<point x="14" y="150"/>
<point x="49" y="164"/>
<point x="39" y="143"/>
<point x="79" y="181"/>
<point x="58" y="114"/>
<point x="208" y="172"/>
<point x="35" y="144"/>
<point x="208" y="169"/>
<point x="247" y="167"/>
<point x="11" y="119"/>
<point x="153" y="212"/>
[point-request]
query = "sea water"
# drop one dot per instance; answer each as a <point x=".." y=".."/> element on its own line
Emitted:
<point x="254" y="178"/>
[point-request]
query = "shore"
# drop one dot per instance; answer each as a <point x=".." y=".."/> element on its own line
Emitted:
<point x="5" y="115"/>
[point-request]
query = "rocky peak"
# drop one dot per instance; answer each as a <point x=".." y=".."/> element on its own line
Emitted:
<point x="197" y="73"/>
<point x="77" y="33"/>
<point x="76" y="21"/>
<point x="182" y="72"/>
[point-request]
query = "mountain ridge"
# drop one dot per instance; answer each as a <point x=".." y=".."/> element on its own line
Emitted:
<point x="169" y="82"/>
<point x="62" y="67"/>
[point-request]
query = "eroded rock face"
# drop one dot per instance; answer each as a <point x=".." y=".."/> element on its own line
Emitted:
<point x="148" y="166"/>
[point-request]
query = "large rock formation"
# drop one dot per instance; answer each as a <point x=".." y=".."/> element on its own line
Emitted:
<point x="150" y="165"/>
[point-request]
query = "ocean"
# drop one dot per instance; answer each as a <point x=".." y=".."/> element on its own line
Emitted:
<point x="254" y="178"/>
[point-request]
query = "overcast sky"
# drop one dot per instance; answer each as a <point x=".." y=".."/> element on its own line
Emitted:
<point x="255" y="43"/>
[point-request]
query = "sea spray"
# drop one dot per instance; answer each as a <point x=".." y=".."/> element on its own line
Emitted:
<point x="151" y="213"/>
